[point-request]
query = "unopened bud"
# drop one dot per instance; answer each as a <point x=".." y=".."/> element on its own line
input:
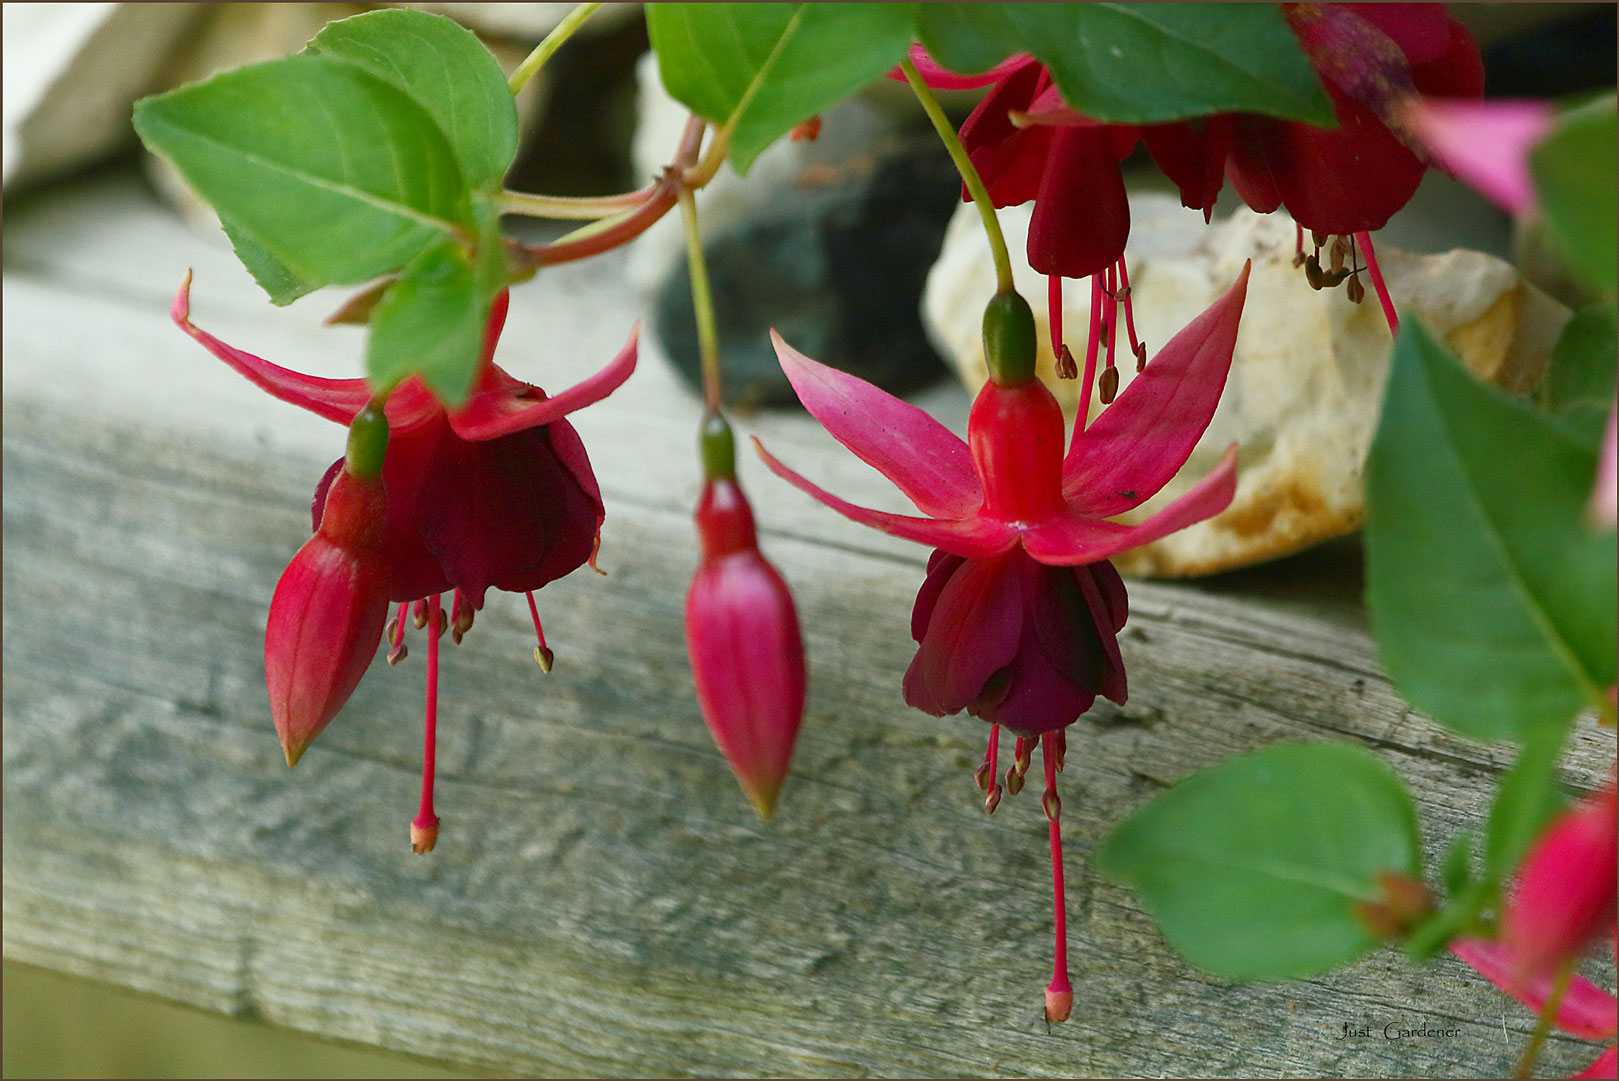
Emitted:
<point x="1107" y="385"/>
<point x="993" y="800"/>
<point x="1355" y="290"/>
<point x="1014" y="781"/>
<point x="1052" y="805"/>
<point x="544" y="658"/>
<point x="981" y="776"/>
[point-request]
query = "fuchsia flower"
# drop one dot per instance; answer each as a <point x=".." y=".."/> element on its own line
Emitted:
<point x="1486" y="144"/>
<point x="747" y="654"/>
<point x="496" y="492"/>
<point x="1586" y="1010"/>
<point x="1017" y="620"/>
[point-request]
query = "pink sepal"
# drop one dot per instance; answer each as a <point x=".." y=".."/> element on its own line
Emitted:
<point x="1141" y="440"/>
<point x="1486" y="144"/>
<point x="1587" y="1010"/>
<point x="491" y="415"/>
<point x="971" y="537"/>
<point x="927" y="462"/>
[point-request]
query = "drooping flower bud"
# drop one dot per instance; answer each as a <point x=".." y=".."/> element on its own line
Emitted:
<point x="747" y="654"/>
<point x="1564" y="895"/>
<point x="327" y="613"/>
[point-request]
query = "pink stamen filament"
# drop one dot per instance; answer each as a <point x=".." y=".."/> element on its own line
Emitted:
<point x="424" y="827"/>
<point x="534" y="611"/>
<point x="399" y="624"/>
<point x="1088" y="378"/>
<point x="1364" y="240"/>
<point x="1059" y="976"/>
<point x="1129" y="308"/>
<point x="1111" y="317"/>
<point x="1298" y="244"/>
<point x="992" y="753"/>
<point x="1054" y="313"/>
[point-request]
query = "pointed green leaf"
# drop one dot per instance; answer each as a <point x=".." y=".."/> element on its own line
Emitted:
<point x="447" y="71"/>
<point x="966" y="38"/>
<point x="1252" y="868"/>
<point x="761" y="69"/>
<point x="1526" y="800"/>
<point x="1149" y="63"/>
<point x="430" y="323"/>
<point x="1578" y="386"/>
<point x="1574" y="170"/>
<point x="1491" y="602"/>
<point x="271" y="274"/>
<point x="337" y="175"/>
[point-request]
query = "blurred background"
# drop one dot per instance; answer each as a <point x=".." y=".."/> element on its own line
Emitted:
<point x="593" y="124"/>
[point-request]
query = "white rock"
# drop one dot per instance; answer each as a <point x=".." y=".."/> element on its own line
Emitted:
<point x="1307" y="378"/>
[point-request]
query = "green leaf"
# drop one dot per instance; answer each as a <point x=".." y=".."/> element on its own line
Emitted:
<point x="431" y="322"/>
<point x="335" y="174"/>
<point x="1527" y="799"/>
<point x="1149" y="63"/>
<point x="1457" y="869"/>
<point x="761" y="69"/>
<point x="1457" y="917"/>
<point x="1574" y="172"/>
<point x="1491" y="602"/>
<point x="1578" y="387"/>
<point x="271" y="274"/>
<point x="447" y="71"/>
<point x="966" y="38"/>
<point x="1252" y="868"/>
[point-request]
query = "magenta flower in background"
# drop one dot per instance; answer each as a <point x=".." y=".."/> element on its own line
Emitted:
<point x="496" y="492"/>
<point x="747" y="653"/>
<point x="1485" y="144"/>
<point x="1018" y="618"/>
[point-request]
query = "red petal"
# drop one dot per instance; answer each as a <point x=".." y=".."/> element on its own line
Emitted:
<point x="491" y="414"/>
<point x="976" y="625"/>
<point x="1078" y="538"/>
<point x="1606" y="1065"/>
<point x="1081" y="212"/>
<point x="1587" y="1010"/>
<point x="1142" y="439"/>
<point x="921" y="456"/>
<point x="1192" y="156"/>
<point x="1010" y="160"/>
<point x="971" y="537"/>
<point x="334" y="399"/>
<point x="1564" y="892"/>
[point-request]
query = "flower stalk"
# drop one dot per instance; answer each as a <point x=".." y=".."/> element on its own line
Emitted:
<point x="535" y="60"/>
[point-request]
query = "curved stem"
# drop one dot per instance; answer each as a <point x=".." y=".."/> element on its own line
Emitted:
<point x="702" y="302"/>
<point x="570" y="207"/>
<point x="969" y="174"/>
<point x="1543" y="1024"/>
<point x="553" y="41"/>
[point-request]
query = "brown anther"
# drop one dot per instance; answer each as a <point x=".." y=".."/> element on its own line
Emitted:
<point x="1355" y="291"/>
<point x="1298" y="258"/>
<point x="418" y="614"/>
<point x="1340" y="252"/>
<point x="1051" y="804"/>
<point x="1023" y="756"/>
<point x="1066" y="367"/>
<point x="398" y="653"/>
<point x="1107" y="385"/>
<point x="993" y="800"/>
<point x="981" y="776"/>
<point x="544" y="658"/>
<point x="1141" y="357"/>
<point x="1121" y="294"/>
<point x="1059" y="743"/>
<point x="393" y="634"/>
<point x="1014" y="781"/>
<point x="423" y="838"/>
<point x="1320" y="238"/>
<point x="462" y="624"/>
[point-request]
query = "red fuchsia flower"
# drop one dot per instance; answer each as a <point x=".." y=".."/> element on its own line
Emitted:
<point x="496" y="492"/>
<point x="747" y="654"/>
<point x="1564" y="895"/>
<point x="1017" y="620"/>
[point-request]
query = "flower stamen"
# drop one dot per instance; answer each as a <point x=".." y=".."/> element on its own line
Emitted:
<point x="1059" y="993"/>
<point x="986" y="772"/>
<point x="542" y="653"/>
<point x="424" y="827"/>
<point x="461" y="617"/>
<point x="1138" y="348"/>
<point x="395" y="635"/>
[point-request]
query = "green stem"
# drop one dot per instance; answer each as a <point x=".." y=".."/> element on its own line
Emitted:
<point x="969" y="174"/>
<point x="572" y="207"/>
<point x="1543" y="1024"/>
<point x="702" y="302"/>
<point x="553" y="41"/>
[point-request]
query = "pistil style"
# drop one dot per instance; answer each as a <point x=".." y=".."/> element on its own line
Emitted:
<point x="424" y="827"/>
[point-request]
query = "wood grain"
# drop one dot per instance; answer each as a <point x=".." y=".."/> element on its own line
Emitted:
<point x="602" y="901"/>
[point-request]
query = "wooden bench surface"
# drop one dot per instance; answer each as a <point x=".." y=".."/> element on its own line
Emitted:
<point x="602" y="900"/>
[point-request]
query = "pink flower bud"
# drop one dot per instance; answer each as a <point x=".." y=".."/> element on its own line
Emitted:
<point x="327" y="613"/>
<point x="1564" y="895"/>
<point x="747" y="655"/>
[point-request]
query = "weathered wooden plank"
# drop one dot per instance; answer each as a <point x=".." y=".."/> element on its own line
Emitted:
<point x="602" y="901"/>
